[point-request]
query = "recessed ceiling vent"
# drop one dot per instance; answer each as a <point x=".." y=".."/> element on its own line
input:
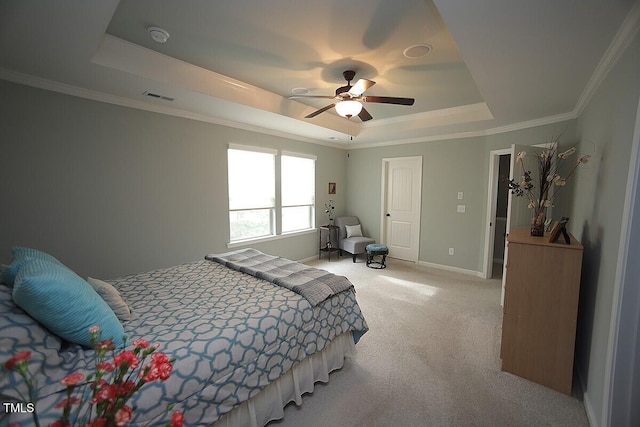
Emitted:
<point x="155" y="95"/>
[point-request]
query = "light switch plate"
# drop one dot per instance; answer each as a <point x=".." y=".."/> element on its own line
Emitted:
<point x="461" y="208"/>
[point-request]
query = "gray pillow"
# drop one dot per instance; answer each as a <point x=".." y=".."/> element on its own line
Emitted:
<point x="112" y="297"/>
<point x="353" y="230"/>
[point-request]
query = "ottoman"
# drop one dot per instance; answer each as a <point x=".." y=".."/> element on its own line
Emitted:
<point x="374" y="250"/>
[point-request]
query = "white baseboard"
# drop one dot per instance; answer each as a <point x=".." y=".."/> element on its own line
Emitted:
<point x="586" y="401"/>
<point x="450" y="268"/>
<point x="589" y="410"/>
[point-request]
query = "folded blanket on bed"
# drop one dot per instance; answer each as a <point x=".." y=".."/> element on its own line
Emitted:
<point x="312" y="283"/>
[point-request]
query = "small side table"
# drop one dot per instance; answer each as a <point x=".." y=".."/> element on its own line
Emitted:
<point x="330" y="242"/>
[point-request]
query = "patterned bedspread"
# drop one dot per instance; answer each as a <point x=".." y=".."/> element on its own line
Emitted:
<point x="231" y="334"/>
<point x="314" y="284"/>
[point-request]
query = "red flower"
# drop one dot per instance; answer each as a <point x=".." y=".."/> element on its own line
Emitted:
<point x="159" y="368"/>
<point x="177" y="419"/>
<point x="140" y="343"/>
<point x="159" y="357"/>
<point x="73" y="400"/>
<point x="107" y="398"/>
<point x="124" y="388"/>
<point x="105" y="366"/>
<point x="98" y="422"/>
<point x="104" y="345"/>
<point x="105" y="391"/>
<point x="164" y="371"/>
<point x="123" y="415"/>
<point x="72" y="379"/>
<point x="126" y="359"/>
<point x="17" y="358"/>
<point x="150" y="373"/>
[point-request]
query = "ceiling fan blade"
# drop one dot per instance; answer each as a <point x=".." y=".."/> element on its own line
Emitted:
<point x="312" y="96"/>
<point x="389" y="100"/>
<point x="360" y="86"/>
<point x="322" y="110"/>
<point x="364" y="115"/>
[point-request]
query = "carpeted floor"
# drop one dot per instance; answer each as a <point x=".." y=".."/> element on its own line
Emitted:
<point x="431" y="358"/>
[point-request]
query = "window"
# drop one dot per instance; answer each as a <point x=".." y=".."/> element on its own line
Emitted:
<point x="298" y="187"/>
<point x="260" y="204"/>
<point x="252" y="193"/>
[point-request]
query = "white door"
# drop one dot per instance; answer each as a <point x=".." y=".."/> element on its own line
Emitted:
<point x="401" y="206"/>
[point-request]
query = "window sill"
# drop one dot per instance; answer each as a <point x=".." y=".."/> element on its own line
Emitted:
<point x="240" y="243"/>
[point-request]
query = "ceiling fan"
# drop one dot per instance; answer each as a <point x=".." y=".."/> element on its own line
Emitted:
<point x="348" y="99"/>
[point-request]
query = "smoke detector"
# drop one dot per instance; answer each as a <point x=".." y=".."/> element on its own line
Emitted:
<point x="158" y="34"/>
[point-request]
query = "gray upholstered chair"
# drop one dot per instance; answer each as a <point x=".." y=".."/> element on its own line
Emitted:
<point x="350" y="238"/>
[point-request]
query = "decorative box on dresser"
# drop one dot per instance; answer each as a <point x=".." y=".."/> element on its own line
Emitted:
<point x="540" y="308"/>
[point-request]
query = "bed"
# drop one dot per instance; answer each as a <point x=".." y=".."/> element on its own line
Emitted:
<point x="245" y="342"/>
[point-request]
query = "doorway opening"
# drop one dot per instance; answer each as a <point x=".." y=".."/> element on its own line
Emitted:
<point x="497" y="213"/>
<point x="502" y="206"/>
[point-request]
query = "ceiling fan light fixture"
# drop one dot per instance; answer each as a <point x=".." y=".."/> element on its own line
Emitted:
<point x="348" y="108"/>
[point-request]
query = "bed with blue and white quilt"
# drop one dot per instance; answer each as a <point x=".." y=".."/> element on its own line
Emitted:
<point x="249" y="333"/>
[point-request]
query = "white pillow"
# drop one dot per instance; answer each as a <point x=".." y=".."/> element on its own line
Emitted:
<point x="112" y="297"/>
<point x="353" y="230"/>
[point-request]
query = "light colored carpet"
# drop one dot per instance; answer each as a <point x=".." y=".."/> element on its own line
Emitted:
<point x="431" y="358"/>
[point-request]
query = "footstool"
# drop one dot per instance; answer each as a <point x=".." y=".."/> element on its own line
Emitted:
<point x="374" y="250"/>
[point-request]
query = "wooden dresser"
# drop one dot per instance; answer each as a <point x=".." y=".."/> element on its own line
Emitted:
<point x="540" y="308"/>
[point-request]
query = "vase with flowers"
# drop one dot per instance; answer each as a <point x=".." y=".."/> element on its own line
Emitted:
<point x="541" y="192"/>
<point x="329" y="209"/>
<point x="100" y="399"/>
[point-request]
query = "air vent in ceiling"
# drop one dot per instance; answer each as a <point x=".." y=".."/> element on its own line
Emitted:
<point x="155" y="95"/>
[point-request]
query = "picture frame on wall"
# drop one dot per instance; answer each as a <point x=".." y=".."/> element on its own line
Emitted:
<point x="332" y="188"/>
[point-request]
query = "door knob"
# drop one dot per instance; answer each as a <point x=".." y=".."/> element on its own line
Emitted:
<point x="388" y="214"/>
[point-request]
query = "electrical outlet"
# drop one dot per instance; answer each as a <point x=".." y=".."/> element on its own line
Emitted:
<point x="461" y="209"/>
<point x="452" y="251"/>
<point x="460" y="195"/>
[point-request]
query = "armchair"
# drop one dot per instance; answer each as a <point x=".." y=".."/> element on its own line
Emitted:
<point x="350" y="238"/>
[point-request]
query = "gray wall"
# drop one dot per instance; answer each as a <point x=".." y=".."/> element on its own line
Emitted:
<point x="111" y="190"/>
<point x="605" y="130"/>
<point x="448" y="167"/>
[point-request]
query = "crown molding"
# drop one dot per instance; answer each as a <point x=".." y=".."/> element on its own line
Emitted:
<point x="618" y="45"/>
<point x="66" y="89"/>
<point x="472" y="134"/>
<point x="41" y="83"/>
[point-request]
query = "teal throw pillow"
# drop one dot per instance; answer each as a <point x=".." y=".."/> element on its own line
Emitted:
<point x="21" y="255"/>
<point x="64" y="303"/>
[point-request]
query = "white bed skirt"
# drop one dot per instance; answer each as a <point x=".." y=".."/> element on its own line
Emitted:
<point x="269" y="404"/>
